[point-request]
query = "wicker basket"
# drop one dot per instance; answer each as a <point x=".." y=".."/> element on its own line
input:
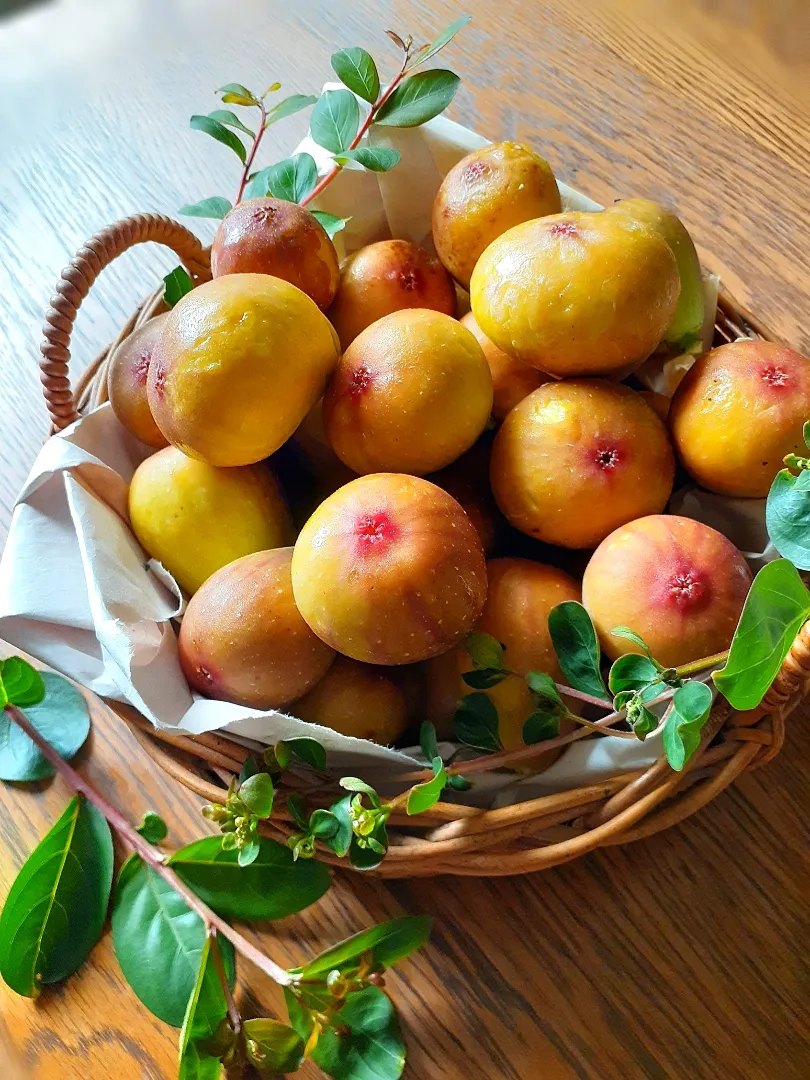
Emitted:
<point x="449" y="839"/>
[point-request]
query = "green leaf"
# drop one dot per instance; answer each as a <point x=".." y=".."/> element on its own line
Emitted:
<point x="637" y="639"/>
<point x="178" y="283"/>
<point x="787" y="516"/>
<point x="388" y="942"/>
<point x="577" y="647"/>
<point x="354" y="783"/>
<point x="331" y="224"/>
<point x="341" y="841"/>
<point x="323" y="824"/>
<point x="297" y="807"/>
<point x="691" y="706"/>
<point x="775" y="610"/>
<point x="273" y="1047"/>
<point x="541" y="725"/>
<point x="62" y="720"/>
<point x="215" y="207"/>
<point x="258" y="793"/>
<point x="357" y="70"/>
<point x="236" y="94"/>
<point x="292" y="179"/>
<point x="484" y="650"/>
<point x="288" y="106"/>
<point x="484" y="678"/>
<point x="545" y="690"/>
<point x="310" y="751"/>
<point x="631" y="672"/>
<point x="220" y="133"/>
<point x="443" y="39"/>
<point x="375" y="158"/>
<point x="426" y="795"/>
<point x="206" y="1010"/>
<point x="230" y="119"/>
<point x="153" y="828"/>
<point x="20" y="683"/>
<point x="428" y="740"/>
<point x="419" y="99"/>
<point x="368" y="1043"/>
<point x="272" y="887"/>
<point x="335" y="120"/>
<point x="55" y="911"/>
<point x="475" y="723"/>
<point x="459" y="783"/>
<point x="249" y="768"/>
<point x="643" y="721"/>
<point x="158" y="941"/>
<point x="248" y="853"/>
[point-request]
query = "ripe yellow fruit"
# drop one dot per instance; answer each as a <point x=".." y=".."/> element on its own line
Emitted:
<point x="240" y="362"/>
<point x="195" y="518"/>
<point x="360" y="700"/>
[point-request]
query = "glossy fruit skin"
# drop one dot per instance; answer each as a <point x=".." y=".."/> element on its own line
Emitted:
<point x="678" y="583"/>
<point x="521" y="593"/>
<point x="272" y="236"/>
<point x="195" y="518"/>
<point x="243" y="640"/>
<point x="240" y="362"/>
<point x="512" y="380"/>
<point x="619" y="279"/>
<point x="391" y="275"/>
<point x="389" y="570"/>
<point x="574" y="460"/>
<point x="359" y="700"/>
<point x="486" y="193"/>
<point x="738" y="411"/>
<point x="410" y="394"/>
<point x="126" y="383"/>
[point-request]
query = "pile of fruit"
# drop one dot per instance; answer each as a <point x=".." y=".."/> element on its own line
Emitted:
<point x="349" y="479"/>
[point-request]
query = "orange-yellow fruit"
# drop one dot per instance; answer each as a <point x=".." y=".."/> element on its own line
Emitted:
<point x="389" y="570"/>
<point x="272" y="236"/>
<point x="126" y="383"/>
<point x="739" y="410"/>
<point x="676" y="582"/>
<point x="391" y="275"/>
<point x="410" y="394"/>
<point x="195" y="518"/>
<point x="240" y="362"/>
<point x="483" y="195"/>
<point x="467" y="480"/>
<point x="243" y="640"/>
<point x="359" y="700"/>
<point x="512" y="380"/>
<point x="659" y="403"/>
<point x="521" y="593"/>
<point x="574" y="460"/>
<point x="617" y="278"/>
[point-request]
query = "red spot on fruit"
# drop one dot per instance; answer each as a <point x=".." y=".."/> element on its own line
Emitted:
<point x="409" y="279"/>
<point x="140" y="371"/>
<point x="375" y="532"/>
<point x="607" y="458"/>
<point x="475" y="170"/>
<point x="359" y="381"/>
<point x="160" y="379"/>
<point x="775" y="376"/>
<point x="205" y="675"/>
<point x="262" y="214"/>
<point x="686" y="589"/>
<point x="564" y="228"/>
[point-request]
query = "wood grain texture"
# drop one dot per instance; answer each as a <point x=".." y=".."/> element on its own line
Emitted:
<point x="679" y="958"/>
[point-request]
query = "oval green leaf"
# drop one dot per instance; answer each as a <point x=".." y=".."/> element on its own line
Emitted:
<point x="258" y="793"/>
<point x="206" y="1010"/>
<point x="423" y="796"/>
<point x="61" y="718"/>
<point x="775" y="609"/>
<point x="443" y="39"/>
<point x="631" y="672"/>
<point x="288" y="106"/>
<point x="787" y="516"/>
<point x="153" y="828"/>
<point x="375" y="158"/>
<point x="237" y="94"/>
<point x="577" y="648"/>
<point x="230" y="119"/>
<point x="220" y="133"/>
<point x="20" y="683"/>
<point x="541" y="725"/>
<point x="335" y="120"/>
<point x="475" y="723"/>
<point x="691" y="706"/>
<point x="368" y="1044"/>
<point x="177" y="284"/>
<point x="356" y="69"/>
<point x="341" y="840"/>
<point x="419" y="99"/>
<point x="388" y="942"/>
<point x="484" y="650"/>
<point x="545" y="690"/>
<point x="215" y="207"/>
<point x="309" y="751"/>
<point x="292" y="179"/>
<point x="273" y="1047"/>
<point x="631" y="635"/>
<point x="330" y="222"/>
<point x="55" y="911"/>
<point x="483" y="678"/>
<point x="158" y="941"/>
<point x="271" y="887"/>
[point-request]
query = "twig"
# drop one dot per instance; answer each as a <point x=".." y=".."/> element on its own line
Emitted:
<point x="252" y="154"/>
<point x="701" y="665"/>
<point x="152" y="856"/>
<point x="233" y="1009"/>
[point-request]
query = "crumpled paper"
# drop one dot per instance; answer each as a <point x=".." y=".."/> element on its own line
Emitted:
<point x="78" y="592"/>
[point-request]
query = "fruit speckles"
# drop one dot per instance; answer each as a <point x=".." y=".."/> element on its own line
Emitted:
<point x="375" y="532"/>
<point x="564" y="228"/>
<point x="159" y="385"/>
<point x="140" y="370"/>
<point x="476" y="169"/>
<point x="359" y="381"/>
<point x="774" y="376"/>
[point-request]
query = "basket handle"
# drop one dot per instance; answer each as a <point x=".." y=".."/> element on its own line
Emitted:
<point x="75" y="283"/>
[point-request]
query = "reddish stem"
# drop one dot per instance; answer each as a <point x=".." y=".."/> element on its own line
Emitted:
<point x="152" y="856"/>
<point x="216" y="954"/>
<point x="252" y="154"/>
<point x="369" y="120"/>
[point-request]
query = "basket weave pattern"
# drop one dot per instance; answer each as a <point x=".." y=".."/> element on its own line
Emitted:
<point x="449" y="838"/>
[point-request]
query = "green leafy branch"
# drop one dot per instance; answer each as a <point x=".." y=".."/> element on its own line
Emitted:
<point x="170" y="913"/>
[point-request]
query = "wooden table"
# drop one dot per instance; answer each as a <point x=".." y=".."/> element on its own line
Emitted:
<point x="674" y="959"/>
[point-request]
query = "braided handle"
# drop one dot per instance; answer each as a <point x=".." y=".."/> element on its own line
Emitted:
<point x="75" y="283"/>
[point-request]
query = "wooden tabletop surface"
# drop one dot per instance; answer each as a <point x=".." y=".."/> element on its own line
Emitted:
<point x="678" y="958"/>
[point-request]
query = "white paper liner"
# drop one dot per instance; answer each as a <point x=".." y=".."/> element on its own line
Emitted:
<point x="78" y="592"/>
